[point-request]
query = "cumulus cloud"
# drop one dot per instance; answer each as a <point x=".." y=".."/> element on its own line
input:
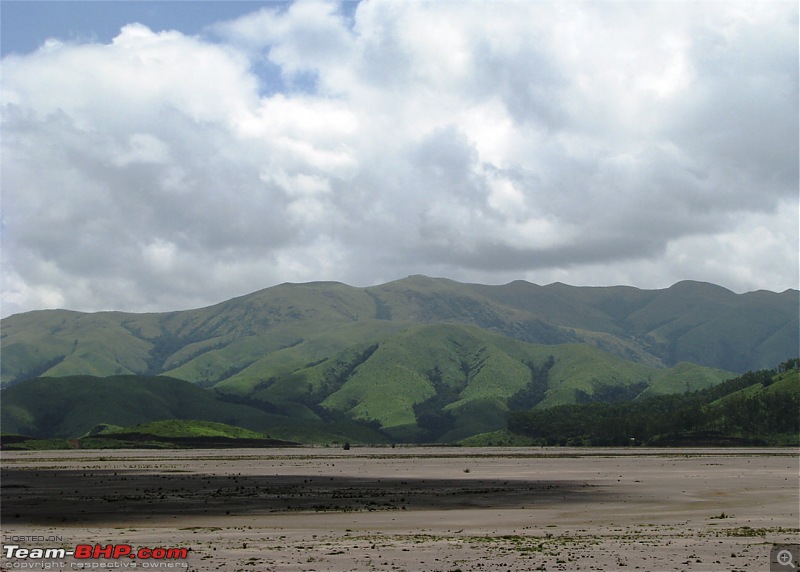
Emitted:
<point x="590" y="143"/>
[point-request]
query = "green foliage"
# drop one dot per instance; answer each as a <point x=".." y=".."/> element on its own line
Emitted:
<point x="476" y="416"/>
<point x="103" y="428"/>
<point x="758" y="407"/>
<point x="190" y="428"/>
<point x="159" y="434"/>
<point x="242" y="342"/>
<point x="11" y="442"/>
<point x="431" y="415"/>
<point x="682" y="378"/>
<point x="434" y="383"/>
<point x="424" y="377"/>
<point x="336" y="374"/>
<point x="418" y="359"/>
<point x="503" y="438"/>
<point x="38" y="369"/>
<point x="532" y="394"/>
<point x="607" y="393"/>
<point x="74" y="406"/>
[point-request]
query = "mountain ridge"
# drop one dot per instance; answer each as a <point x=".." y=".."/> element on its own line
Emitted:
<point x="690" y="321"/>
<point x="414" y="360"/>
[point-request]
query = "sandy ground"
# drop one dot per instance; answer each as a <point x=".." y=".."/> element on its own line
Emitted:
<point x="414" y="509"/>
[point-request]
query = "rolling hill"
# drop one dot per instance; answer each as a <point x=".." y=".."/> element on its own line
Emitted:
<point x="75" y="406"/>
<point x="418" y="359"/>
<point x="169" y="434"/>
<point x="757" y="408"/>
<point x="464" y="377"/>
<point x="437" y="382"/>
<point x="279" y="329"/>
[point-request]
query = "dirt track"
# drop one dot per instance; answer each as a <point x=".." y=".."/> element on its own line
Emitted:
<point x="412" y="508"/>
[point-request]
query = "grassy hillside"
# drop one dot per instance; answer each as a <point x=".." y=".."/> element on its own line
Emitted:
<point x="755" y="408"/>
<point x="418" y="359"/>
<point x="170" y="434"/>
<point x="443" y="382"/>
<point x="71" y="407"/>
<point x="61" y="343"/>
<point x="186" y="428"/>
<point x="690" y="321"/>
<point x="438" y="382"/>
<point x="248" y="340"/>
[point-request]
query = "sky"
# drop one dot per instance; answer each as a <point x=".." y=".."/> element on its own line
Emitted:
<point x="159" y="156"/>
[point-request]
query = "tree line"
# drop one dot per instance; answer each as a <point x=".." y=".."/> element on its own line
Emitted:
<point x="756" y="416"/>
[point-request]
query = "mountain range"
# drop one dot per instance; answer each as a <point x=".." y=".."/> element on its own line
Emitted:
<point x="419" y="358"/>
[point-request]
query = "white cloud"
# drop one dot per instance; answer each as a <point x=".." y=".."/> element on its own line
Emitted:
<point x="641" y="143"/>
<point x="142" y="148"/>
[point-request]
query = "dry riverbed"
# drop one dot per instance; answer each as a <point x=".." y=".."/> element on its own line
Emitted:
<point x="414" y="509"/>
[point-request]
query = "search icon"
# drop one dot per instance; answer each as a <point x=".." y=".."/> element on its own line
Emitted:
<point x="785" y="559"/>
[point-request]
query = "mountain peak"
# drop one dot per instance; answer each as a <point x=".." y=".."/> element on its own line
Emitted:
<point x="698" y="285"/>
<point x="254" y="337"/>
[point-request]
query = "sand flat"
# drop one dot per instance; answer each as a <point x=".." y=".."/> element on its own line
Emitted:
<point x="412" y="508"/>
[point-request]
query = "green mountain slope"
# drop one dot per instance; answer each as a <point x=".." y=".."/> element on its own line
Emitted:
<point x="437" y="382"/>
<point x="186" y="428"/>
<point x="70" y="407"/>
<point x="444" y="381"/>
<point x="756" y="408"/>
<point x="171" y="434"/>
<point x="690" y="321"/>
<point x="247" y="341"/>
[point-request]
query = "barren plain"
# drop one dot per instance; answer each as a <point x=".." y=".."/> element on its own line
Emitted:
<point x="406" y="508"/>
